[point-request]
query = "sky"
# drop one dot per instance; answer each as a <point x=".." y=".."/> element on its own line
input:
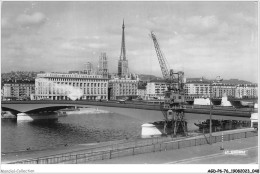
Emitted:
<point x="203" y="39"/>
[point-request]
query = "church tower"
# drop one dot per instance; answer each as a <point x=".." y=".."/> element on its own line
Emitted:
<point x="123" y="63"/>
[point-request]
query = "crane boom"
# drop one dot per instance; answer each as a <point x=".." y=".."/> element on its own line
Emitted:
<point x="162" y="60"/>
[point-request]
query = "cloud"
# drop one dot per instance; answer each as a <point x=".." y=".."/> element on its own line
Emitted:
<point x="23" y="24"/>
<point x="71" y="46"/>
<point x="205" y="22"/>
<point x="7" y="27"/>
<point x="97" y="45"/>
<point x="31" y="20"/>
<point x="5" y="23"/>
<point x="83" y="43"/>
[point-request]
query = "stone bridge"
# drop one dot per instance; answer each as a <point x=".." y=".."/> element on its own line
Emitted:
<point x="136" y="108"/>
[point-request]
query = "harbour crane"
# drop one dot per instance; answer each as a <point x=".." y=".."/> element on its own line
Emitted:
<point x="168" y="75"/>
<point x="172" y="108"/>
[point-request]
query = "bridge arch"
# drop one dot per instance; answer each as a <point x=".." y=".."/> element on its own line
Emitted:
<point x="127" y="111"/>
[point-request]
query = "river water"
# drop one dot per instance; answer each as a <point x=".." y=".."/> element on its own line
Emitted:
<point x="80" y="129"/>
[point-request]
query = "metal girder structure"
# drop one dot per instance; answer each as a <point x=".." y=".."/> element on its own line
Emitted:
<point x="179" y="79"/>
<point x="162" y="60"/>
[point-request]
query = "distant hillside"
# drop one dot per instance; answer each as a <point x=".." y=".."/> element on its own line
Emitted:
<point x="145" y="77"/>
<point x="236" y="81"/>
<point x="230" y="81"/>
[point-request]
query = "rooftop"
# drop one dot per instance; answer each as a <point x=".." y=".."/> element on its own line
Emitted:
<point x="69" y="75"/>
<point x="20" y="82"/>
<point x="199" y="82"/>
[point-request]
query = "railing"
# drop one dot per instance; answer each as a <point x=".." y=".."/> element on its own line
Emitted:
<point x="135" y="148"/>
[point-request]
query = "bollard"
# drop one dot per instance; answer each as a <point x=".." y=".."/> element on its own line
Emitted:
<point x="110" y="154"/>
<point x="133" y="151"/>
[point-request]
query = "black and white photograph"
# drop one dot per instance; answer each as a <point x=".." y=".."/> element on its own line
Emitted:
<point x="129" y="86"/>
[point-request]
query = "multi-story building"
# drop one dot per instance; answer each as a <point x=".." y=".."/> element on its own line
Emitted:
<point x="70" y="87"/>
<point x="219" y="90"/>
<point x="18" y="90"/>
<point x="102" y="65"/>
<point x="197" y="89"/>
<point x="123" y="88"/>
<point x="246" y="91"/>
<point x="141" y="91"/>
<point x="156" y="89"/>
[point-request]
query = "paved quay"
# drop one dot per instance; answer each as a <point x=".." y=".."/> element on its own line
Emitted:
<point x="205" y="154"/>
<point x="76" y="149"/>
<point x="70" y="148"/>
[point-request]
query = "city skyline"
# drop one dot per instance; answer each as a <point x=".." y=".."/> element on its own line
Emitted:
<point x="206" y="39"/>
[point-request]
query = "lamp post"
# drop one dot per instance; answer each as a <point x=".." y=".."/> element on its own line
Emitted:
<point x="210" y="111"/>
<point x="210" y="114"/>
<point x="210" y="122"/>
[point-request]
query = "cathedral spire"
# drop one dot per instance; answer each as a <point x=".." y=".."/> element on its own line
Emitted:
<point x="123" y="63"/>
<point x="123" y="52"/>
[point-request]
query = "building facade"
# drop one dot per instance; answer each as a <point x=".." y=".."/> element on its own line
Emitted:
<point x="197" y="89"/>
<point x="220" y="90"/>
<point x="70" y="87"/>
<point x="156" y="89"/>
<point x="123" y="88"/>
<point x="141" y="92"/>
<point x="18" y="90"/>
<point x="246" y="91"/>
